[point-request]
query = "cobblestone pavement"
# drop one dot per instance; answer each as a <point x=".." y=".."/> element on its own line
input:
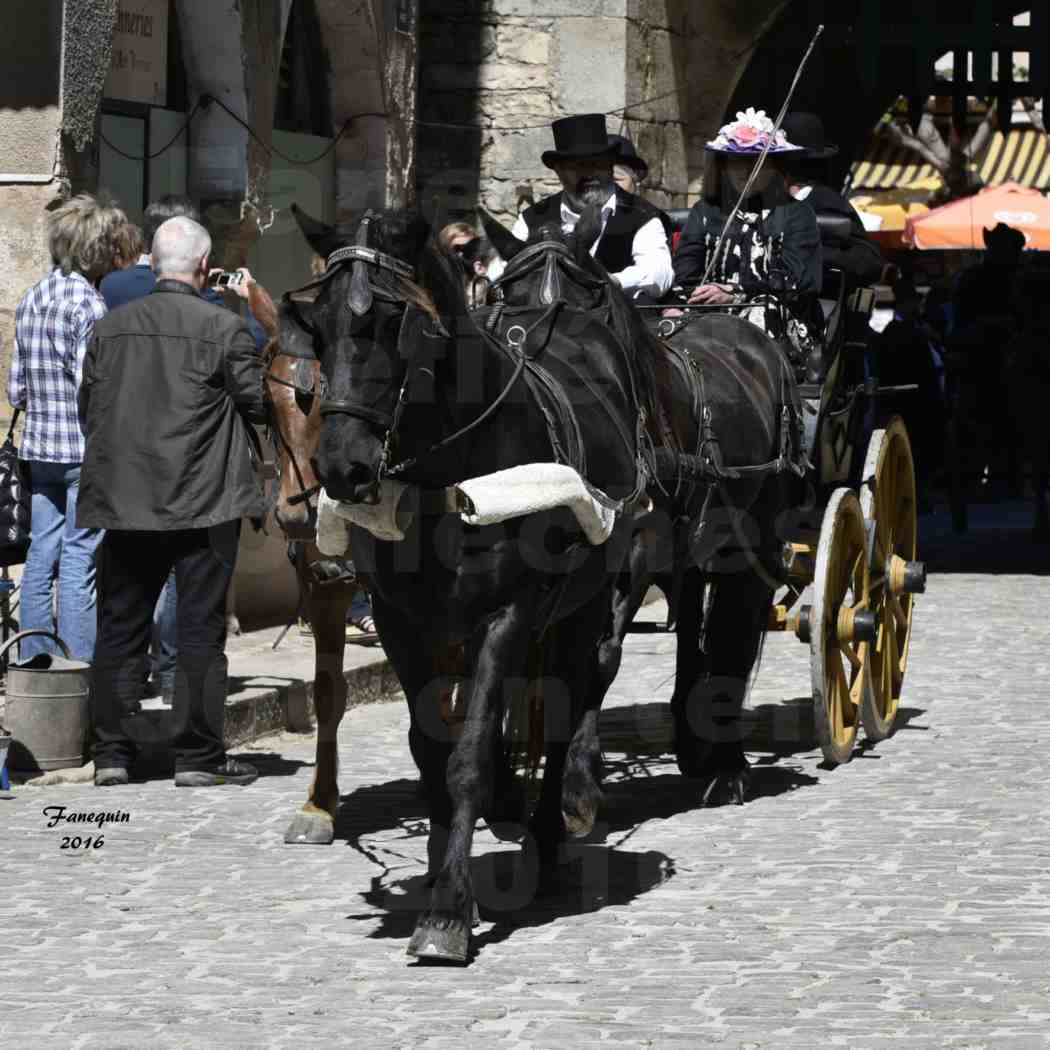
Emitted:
<point x="899" y="901"/>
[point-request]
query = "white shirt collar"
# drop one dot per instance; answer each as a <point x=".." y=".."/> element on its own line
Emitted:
<point x="570" y="218"/>
<point x="802" y="192"/>
<point x="145" y="260"/>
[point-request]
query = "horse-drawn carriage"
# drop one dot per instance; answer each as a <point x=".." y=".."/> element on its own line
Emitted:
<point x="850" y="552"/>
<point x="562" y="368"/>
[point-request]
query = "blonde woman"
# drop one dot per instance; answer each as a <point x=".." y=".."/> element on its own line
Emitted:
<point x="53" y="326"/>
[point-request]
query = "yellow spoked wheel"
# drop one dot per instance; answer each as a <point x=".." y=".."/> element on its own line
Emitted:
<point x="889" y="506"/>
<point x="840" y="627"/>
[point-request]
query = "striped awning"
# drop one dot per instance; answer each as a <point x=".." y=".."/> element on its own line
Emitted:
<point x="1020" y="155"/>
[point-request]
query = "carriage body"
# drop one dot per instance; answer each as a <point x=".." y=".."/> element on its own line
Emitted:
<point x="850" y="569"/>
<point x="850" y="556"/>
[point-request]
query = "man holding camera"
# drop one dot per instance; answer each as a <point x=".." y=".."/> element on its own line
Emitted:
<point x="171" y="386"/>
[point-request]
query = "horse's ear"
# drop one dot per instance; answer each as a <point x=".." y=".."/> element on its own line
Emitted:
<point x="321" y="237"/>
<point x="502" y="239"/>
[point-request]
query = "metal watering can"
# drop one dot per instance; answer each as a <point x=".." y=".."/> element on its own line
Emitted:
<point x="48" y="713"/>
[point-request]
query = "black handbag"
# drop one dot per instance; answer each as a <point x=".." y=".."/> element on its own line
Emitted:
<point x="15" y="504"/>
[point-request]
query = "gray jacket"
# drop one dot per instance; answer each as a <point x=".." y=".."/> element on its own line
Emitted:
<point x="171" y="385"/>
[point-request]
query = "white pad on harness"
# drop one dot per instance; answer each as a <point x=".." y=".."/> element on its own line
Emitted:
<point x="382" y="519"/>
<point x="492" y="498"/>
<point x="535" y="487"/>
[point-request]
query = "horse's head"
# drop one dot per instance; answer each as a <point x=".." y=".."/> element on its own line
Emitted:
<point x="370" y="284"/>
<point x="293" y="373"/>
<point x="552" y="265"/>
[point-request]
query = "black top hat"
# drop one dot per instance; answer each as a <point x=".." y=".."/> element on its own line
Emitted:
<point x="626" y="154"/>
<point x="579" y="136"/>
<point x="1004" y="239"/>
<point x="807" y="130"/>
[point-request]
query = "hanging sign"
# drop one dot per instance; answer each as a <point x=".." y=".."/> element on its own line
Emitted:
<point x="138" y="66"/>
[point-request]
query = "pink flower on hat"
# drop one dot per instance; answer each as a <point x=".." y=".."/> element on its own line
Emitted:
<point x="750" y="133"/>
<point x="745" y="135"/>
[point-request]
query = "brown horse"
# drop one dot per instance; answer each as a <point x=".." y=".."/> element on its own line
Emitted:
<point x="327" y="585"/>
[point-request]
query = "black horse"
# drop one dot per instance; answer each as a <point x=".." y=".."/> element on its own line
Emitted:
<point x="722" y="424"/>
<point x="420" y="391"/>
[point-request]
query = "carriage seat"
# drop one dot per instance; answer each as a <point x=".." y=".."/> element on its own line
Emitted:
<point x="835" y="230"/>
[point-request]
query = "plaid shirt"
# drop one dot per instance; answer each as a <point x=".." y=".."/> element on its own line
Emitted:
<point x="53" y="325"/>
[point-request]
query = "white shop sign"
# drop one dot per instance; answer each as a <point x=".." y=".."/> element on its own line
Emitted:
<point x="138" y="68"/>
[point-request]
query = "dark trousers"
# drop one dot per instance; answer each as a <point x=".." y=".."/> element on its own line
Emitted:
<point x="132" y="570"/>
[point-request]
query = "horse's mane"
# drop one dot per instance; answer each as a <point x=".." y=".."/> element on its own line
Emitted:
<point x="647" y="352"/>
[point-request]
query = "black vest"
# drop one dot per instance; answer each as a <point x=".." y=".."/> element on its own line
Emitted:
<point x="615" y="249"/>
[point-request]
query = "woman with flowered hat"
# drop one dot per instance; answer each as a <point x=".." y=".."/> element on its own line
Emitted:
<point x="773" y="243"/>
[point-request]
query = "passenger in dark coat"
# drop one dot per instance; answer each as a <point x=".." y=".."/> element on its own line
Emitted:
<point x="903" y="357"/>
<point x="171" y="386"/>
<point x="805" y="172"/>
<point x="771" y="246"/>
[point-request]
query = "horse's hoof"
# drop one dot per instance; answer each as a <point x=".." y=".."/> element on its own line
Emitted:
<point x="581" y="798"/>
<point x="729" y="786"/>
<point x="314" y="828"/>
<point x="440" y="940"/>
<point x="579" y="823"/>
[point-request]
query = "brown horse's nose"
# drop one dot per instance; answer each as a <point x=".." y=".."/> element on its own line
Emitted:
<point x="297" y="522"/>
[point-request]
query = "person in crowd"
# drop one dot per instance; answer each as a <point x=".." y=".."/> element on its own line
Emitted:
<point x="772" y="244"/>
<point x="54" y="322"/>
<point x="128" y="244"/>
<point x="805" y="172"/>
<point x="169" y="477"/>
<point x="124" y="286"/>
<point x="473" y="254"/>
<point x="986" y="291"/>
<point x="904" y="355"/>
<point x="632" y="244"/>
<point x="630" y="171"/>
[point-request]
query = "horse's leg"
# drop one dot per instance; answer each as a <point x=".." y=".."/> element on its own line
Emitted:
<point x="500" y="651"/>
<point x="689" y="668"/>
<point x="734" y="627"/>
<point x="426" y="670"/>
<point x="326" y="609"/>
<point x="602" y="641"/>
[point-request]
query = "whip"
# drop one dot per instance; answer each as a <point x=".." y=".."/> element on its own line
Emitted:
<point x="762" y="156"/>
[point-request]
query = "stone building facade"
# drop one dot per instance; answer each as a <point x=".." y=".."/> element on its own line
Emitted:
<point x="63" y="129"/>
<point x="494" y="73"/>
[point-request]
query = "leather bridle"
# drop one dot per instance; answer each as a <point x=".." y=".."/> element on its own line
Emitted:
<point x="306" y="493"/>
<point x="522" y="345"/>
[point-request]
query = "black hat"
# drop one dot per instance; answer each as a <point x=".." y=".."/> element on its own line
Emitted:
<point x="579" y="136"/>
<point x="626" y="154"/>
<point x="807" y="130"/>
<point x="1003" y="239"/>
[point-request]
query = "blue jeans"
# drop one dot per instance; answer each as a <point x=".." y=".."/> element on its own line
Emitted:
<point x="58" y="547"/>
<point x="360" y="606"/>
<point x="165" y="641"/>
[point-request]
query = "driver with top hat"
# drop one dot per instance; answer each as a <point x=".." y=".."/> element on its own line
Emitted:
<point x="632" y="244"/>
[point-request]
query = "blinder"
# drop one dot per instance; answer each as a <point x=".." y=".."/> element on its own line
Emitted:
<point x="556" y="259"/>
<point x="360" y="297"/>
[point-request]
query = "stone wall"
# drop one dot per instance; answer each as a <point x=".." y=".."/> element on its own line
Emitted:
<point x="495" y="73"/>
<point x="30" y="159"/>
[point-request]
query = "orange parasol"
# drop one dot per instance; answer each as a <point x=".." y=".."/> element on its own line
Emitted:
<point x="961" y="224"/>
